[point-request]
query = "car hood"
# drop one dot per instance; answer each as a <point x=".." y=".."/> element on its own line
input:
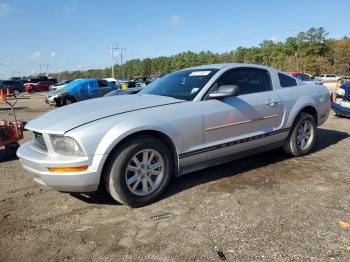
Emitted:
<point x="69" y="117"/>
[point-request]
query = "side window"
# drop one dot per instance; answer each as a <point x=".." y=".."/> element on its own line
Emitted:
<point x="286" y="81"/>
<point x="249" y="80"/>
<point x="102" y="83"/>
<point x="321" y="75"/>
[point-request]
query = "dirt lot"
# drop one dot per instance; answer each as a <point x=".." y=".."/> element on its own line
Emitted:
<point x="264" y="208"/>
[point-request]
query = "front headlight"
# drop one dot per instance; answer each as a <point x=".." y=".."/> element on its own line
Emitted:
<point x="340" y="92"/>
<point x="59" y="93"/>
<point x="65" y="145"/>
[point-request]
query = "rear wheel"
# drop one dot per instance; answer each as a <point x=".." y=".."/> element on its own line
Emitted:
<point x="139" y="171"/>
<point x="302" y="137"/>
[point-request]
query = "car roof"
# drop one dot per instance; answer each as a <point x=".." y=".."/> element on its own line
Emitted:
<point x="295" y="73"/>
<point x="229" y="65"/>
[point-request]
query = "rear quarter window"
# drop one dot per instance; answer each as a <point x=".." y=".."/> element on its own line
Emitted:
<point x="286" y="81"/>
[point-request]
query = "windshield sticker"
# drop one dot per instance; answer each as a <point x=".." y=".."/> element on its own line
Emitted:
<point x="194" y="90"/>
<point x="200" y="73"/>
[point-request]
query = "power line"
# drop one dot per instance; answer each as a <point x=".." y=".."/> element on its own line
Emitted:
<point x="115" y="47"/>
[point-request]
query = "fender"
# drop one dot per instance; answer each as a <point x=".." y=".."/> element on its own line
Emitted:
<point x="122" y="130"/>
<point x="301" y="103"/>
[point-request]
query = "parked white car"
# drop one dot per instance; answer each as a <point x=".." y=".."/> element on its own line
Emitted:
<point x="182" y="122"/>
<point x="328" y="78"/>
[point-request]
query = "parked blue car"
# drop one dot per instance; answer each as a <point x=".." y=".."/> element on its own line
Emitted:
<point x="14" y="86"/>
<point x="78" y="90"/>
<point x="341" y="103"/>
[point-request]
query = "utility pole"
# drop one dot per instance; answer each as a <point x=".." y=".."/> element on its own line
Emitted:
<point x="112" y="61"/>
<point x="121" y="61"/>
<point x="115" y="47"/>
<point x="42" y="68"/>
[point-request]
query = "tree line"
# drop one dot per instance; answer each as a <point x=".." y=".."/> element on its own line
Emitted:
<point x="312" y="52"/>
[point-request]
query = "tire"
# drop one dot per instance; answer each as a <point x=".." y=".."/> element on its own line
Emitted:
<point x="11" y="149"/>
<point x="67" y="100"/>
<point x="122" y="167"/>
<point x="294" y="144"/>
<point x="15" y="92"/>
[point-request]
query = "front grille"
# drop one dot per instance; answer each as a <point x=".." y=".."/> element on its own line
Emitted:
<point x="39" y="141"/>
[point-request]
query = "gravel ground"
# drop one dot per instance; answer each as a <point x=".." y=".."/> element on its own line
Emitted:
<point x="268" y="207"/>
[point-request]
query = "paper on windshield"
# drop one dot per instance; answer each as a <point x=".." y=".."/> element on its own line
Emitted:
<point x="200" y="73"/>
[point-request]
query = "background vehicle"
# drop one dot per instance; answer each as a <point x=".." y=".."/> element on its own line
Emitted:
<point x="16" y="87"/>
<point x="328" y="78"/>
<point x="128" y="91"/>
<point x="341" y="100"/>
<point x="140" y="81"/>
<point x="111" y="79"/>
<point x="182" y="122"/>
<point x="41" y="79"/>
<point x="59" y="85"/>
<point x="78" y="90"/>
<point x="305" y="77"/>
<point x="37" y="87"/>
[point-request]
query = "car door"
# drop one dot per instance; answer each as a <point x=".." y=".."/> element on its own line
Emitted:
<point x="104" y="88"/>
<point x="38" y="86"/>
<point x="45" y="86"/>
<point x="242" y="122"/>
<point x="94" y="89"/>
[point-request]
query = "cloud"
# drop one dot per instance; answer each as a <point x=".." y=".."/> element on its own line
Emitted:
<point x="4" y="9"/>
<point x="273" y="38"/>
<point x="35" y="55"/>
<point x="53" y="54"/>
<point x="176" y="19"/>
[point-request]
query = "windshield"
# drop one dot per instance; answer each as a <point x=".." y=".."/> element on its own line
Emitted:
<point x="184" y="84"/>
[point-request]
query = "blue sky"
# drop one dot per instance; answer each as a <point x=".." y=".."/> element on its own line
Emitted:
<point x="75" y="34"/>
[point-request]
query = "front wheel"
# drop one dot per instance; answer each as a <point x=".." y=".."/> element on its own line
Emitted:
<point x="67" y="100"/>
<point x="139" y="171"/>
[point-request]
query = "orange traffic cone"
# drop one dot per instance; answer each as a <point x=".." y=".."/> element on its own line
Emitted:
<point x="8" y="92"/>
<point x="1" y="95"/>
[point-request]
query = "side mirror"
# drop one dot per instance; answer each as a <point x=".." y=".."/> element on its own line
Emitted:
<point x="225" y="91"/>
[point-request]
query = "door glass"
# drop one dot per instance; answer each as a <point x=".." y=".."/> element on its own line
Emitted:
<point x="249" y="80"/>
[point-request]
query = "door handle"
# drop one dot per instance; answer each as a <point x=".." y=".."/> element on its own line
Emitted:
<point x="272" y="102"/>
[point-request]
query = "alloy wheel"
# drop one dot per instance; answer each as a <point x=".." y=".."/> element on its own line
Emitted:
<point x="305" y="135"/>
<point x="145" y="172"/>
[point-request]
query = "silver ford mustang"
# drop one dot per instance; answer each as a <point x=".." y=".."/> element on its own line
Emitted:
<point x="182" y="122"/>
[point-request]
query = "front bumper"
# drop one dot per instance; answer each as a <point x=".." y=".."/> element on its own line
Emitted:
<point x="51" y="100"/>
<point x="37" y="163"/>
<point x="340" y="109"/>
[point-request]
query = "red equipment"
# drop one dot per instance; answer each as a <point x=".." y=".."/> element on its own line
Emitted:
<point x="10" y="132"/>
